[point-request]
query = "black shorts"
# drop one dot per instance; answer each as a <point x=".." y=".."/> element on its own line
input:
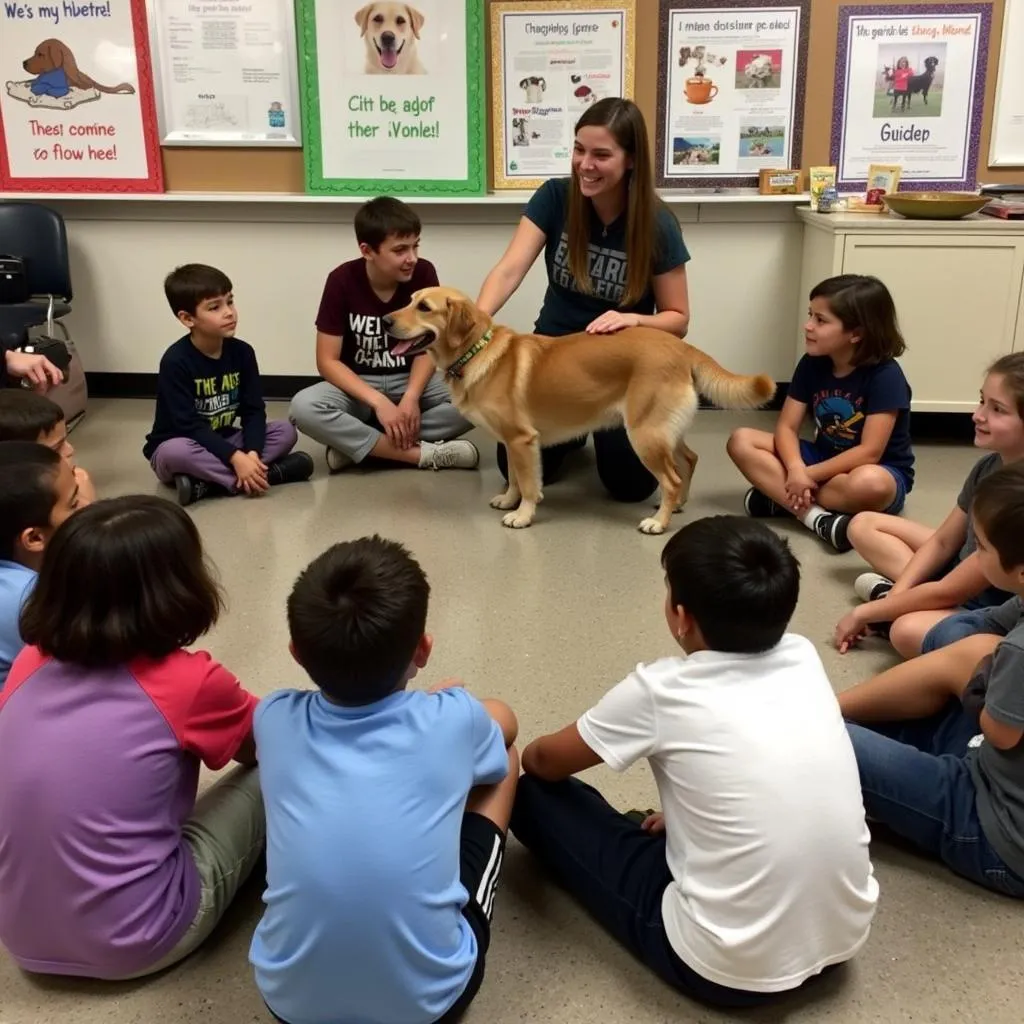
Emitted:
<point x="481" y="852"/>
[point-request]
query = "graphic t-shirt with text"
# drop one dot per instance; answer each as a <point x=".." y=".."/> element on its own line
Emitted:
<point x="566" y="308"/>
<point x="351" y="310"/>
<point x="200" y="398"/>
<point x="841" y="405"/>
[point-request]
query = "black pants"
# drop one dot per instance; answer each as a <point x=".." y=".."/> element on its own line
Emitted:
<point x="617" y="871"/>
<point x="624" y="476"/>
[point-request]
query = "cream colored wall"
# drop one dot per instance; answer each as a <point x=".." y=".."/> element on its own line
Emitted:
<point x="744" y="276"/>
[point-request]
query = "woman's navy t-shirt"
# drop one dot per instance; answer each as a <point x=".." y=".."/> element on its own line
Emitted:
<point x="566" y="309"/>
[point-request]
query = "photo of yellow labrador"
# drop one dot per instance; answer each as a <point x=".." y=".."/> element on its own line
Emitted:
<point x="530" y="391"/>
<point x="391" y="33"/>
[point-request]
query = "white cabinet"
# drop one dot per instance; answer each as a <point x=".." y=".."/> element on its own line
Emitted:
<point x="958" y="288"/>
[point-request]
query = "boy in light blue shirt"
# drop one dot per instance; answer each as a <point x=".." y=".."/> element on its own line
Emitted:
<point x="387" y="808"/>
<point x="38" y="491"/>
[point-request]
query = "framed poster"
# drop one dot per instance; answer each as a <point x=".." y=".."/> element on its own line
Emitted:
<point x="226" y="74"/>
<point x="548" y="64"/>
<point x="76" y="106"/>
<point x="909" y="90"/>
<point x="1007" y="146"/>
<point x="393" y="96"/>
<point x="731" y="83"/>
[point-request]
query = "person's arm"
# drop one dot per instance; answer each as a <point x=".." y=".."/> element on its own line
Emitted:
<point x="218" y="726"/>
<point x="868" y="452"/>
<point x="787" y="434"/>
<point x="176" y="386"/>
<point x="937" y="551"/>
<point x="252" y="411"/>
<point x="420" y="372"/>
<point x="558" y="755"/>
<point x="508" y="273"/>
<point x="672" y="300"/>
<point x="1002" y="718"/>
<point x="334" y="371"/>
<point x="36" y="369"/>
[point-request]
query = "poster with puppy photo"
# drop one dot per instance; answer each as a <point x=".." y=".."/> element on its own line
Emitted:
<point x="549" y="63"/>
<point x="392" y="96"/>
<point x="77" y="112"/>
<point x="909" y="90"/>
<point x="731" y="91"/>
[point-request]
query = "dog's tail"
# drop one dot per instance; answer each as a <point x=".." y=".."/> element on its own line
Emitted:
<point x="729" y="390"/>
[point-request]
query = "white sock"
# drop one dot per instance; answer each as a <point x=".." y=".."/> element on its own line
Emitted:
<point x="812" y="515"/>
<point x="427" y="454"/>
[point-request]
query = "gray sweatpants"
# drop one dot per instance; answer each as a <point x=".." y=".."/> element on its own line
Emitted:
<point x="329" y="416"/>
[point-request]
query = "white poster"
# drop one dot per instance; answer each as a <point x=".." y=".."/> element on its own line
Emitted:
<point x="1007" y="149"/>
<point x="731" y="91"/>
<point x="910" y="92"/>
<point x="76" y="100"/>
<point x="226" y="72"/>
<point x="554" y="64"/>
<point x="392" y="90"/>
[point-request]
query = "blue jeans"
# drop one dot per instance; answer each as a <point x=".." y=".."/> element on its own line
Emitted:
<point x="812" y="456"/>
<point x="966" y="622"/>
<point x="916" y="780"/>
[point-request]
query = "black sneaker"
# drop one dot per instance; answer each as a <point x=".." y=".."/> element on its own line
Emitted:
<point x="191" y="489"/>
<point x="833" y="528"/>
<point x="290" y="469"/>
<point x="760" y="506"/>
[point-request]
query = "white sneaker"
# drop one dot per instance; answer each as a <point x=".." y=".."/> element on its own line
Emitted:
<point x="337" y="461"/>
<point x="870" y="586"/>
<point x="459" y="454"/>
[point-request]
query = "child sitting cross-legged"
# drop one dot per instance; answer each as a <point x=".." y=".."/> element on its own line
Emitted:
<point x="29" y="416"/>
<point x="386" y="807"/>
<point x="109" y="867"/>
<point x="939" y="739"/>
<point x="755" y="876"/>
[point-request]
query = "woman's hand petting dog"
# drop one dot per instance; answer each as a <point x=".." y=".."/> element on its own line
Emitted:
<point x="612" y="321"/>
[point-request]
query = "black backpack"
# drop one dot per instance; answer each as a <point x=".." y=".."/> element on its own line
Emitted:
<point x="13" y="281"/>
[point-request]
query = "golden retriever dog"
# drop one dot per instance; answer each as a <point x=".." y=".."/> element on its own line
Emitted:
<point x="530" y="391"/>
<point x="54" y="55"/>
<point x="391" y="32"/>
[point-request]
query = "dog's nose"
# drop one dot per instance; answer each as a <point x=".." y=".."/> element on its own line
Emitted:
<point x="387" y="321"/>
<point x="387" y="38"/>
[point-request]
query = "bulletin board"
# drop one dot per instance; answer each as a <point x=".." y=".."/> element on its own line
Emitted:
<point x="246" y="170"/>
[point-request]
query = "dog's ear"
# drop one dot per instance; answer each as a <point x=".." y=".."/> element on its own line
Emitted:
<point x="543" y="85"/>
<point x="417" y="19"/>
<point x="363" y="18"/>
<point x="53" y="51"/>
<point x="462" y="318"/>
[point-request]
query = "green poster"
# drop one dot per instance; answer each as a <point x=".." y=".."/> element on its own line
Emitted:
<point x="393" y="97"/>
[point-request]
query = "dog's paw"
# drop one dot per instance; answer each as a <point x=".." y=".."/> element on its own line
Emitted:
<point x="504" y="501"/>
<point x="650" y="525"/>
<point x="516" y="520"/>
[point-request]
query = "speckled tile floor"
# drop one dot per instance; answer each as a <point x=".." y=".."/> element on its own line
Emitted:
<point x="547" y="619"/>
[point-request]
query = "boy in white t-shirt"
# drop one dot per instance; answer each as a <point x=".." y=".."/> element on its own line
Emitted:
<point x="756" y="876"/>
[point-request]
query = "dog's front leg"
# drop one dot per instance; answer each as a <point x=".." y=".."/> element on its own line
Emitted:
<point x="525" y="463"/>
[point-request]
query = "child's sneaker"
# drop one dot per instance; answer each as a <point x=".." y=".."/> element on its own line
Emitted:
<point x="337" y="461"/>
<point x="833" y="527"/>
<point x="760" y="506"/>
<point x="459" y="454"/>
<point x="191" y="489"/>
<point x="290" y="469"/>
<point x="870" y="586"/>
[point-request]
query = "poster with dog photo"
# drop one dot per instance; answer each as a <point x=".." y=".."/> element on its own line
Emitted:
<point x="392" y="96"/>
<point x="731" y="91"/>
<point x="910" y="86"/>
<point x="76" y="98"/>
<point x="550" y="62"/>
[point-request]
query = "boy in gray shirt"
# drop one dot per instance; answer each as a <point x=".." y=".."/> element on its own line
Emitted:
<point x="939" y="740"/>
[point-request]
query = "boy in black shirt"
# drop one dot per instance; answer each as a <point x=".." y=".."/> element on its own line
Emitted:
<point x="207" y="381"/>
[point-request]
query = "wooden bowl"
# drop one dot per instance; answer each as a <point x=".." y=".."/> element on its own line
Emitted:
<point x="935" y="205"/>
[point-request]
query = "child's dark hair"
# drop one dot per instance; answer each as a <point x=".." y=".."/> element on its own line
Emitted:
<point x="24" y="414"/>
<point x="1011" y="368"/>
<point x="188" y="285"/>
<point x="123" y="578"/>
<point x="862" y="303"/>
<point x="28" y="490"/>
<point x="355" y="616"/>
<point x="999" y="510"/>
<point x="377" y="219"/>
<point x="737" y="578"/>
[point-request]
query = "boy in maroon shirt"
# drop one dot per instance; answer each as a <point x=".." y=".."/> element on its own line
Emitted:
<point x="371" y="402"/>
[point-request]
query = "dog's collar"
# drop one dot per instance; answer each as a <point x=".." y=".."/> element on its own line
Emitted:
<point x="454" y="372"/>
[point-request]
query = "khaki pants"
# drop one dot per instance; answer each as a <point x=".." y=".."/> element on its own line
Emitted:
<point x="226" y="835"/>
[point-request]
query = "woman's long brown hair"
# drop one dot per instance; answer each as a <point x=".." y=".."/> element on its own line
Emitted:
<point x="622" y="118"/>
